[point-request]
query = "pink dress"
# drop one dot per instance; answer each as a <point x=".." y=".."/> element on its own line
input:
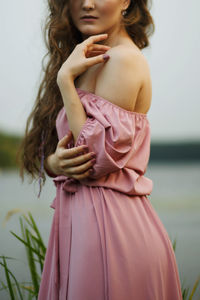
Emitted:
<point x="106" y="240"/>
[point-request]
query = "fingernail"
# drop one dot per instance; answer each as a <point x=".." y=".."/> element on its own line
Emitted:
<point x="106" y="56"/>
<point x="85" y="148"/>
<point x="91" y="171"/>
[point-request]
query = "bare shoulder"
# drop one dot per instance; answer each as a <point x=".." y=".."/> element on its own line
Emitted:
<point x="127" y="54"/>
<point x="122" y="76"/>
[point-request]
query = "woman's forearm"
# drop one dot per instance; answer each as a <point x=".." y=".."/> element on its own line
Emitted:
<point x="75" y="112"/>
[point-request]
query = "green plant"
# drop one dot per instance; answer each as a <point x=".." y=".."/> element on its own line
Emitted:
<point x="184" y="290"/>
<point x="35" y="252"/>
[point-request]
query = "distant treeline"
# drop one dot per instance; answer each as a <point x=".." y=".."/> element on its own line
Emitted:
<point x="160" y="152"/>
<point x="175" y="151"/>
<point x="9" y="145"/>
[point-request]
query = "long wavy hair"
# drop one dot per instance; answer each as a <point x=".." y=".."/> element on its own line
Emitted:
<point x="61" y="37"/>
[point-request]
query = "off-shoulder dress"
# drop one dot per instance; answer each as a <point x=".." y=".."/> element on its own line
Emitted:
<point x="106" y="240"/>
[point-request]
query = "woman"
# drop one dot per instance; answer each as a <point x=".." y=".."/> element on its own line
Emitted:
<point x="106" y="240"/>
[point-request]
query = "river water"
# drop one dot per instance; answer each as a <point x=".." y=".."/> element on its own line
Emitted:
<point x="175" y="198"/>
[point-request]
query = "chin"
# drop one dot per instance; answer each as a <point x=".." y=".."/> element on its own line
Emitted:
<point x="91" y="31"/>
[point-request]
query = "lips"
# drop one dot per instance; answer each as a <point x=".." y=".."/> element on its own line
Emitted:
<point x="88" y="17"/>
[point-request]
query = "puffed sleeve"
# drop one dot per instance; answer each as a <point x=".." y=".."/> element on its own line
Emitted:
<point x="115" y="135"/>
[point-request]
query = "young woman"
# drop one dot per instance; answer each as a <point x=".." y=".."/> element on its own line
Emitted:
<point x="89" y="129"/>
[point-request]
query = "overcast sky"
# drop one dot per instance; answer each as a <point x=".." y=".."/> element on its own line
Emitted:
<point x="173" y="57"/>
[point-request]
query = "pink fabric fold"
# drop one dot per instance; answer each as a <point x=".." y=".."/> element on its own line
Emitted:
<point x="106" y="240"/>
<point x="120" y="140"/>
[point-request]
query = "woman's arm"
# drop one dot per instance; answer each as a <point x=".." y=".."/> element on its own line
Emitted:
<point x="75" y="162"/>
<point x="77" y="63"/>
<point x="75" y="112"/>
<point x="62" y="161"/>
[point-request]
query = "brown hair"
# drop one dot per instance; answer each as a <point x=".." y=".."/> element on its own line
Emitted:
<point x="61" y="37"/>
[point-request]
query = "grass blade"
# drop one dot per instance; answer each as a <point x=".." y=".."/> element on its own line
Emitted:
<point x="194" y="288"/>
<point x="174" y="245"/>
<point x="37" y="231"/>
<point x="40" y="260"/>
<point x="12" y="296"/>
<point x="7" y="257"/>
<point x="4" y="286"/>
<point x="16" y="282"/>
<point x="31" y="262"/>
<point x="26" y="243"/>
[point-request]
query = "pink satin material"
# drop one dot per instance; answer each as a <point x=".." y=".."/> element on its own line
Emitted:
<point x="106" y="240"/>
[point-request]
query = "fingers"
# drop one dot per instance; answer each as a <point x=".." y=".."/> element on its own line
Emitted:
<point x="65" y="140"/>
<point x="98" y="47"/>
<point x="94" y="53"/>
<point x="97" y="59"/>
<point x="95" y="38"/>
<point x="73" y="171"/>
<point x="78" y="167"/>
<point x="73" y="152"/>
<point x="79" y="160"/>
<point x="87" y="173"/>
<point x="74" y="162"/>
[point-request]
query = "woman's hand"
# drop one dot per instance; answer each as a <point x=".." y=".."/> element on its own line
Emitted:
<point x="70" y="162"/>
<point x="84" y="55"/>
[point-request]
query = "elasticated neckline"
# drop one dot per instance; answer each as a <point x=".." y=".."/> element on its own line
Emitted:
<point x="110" y="103"/>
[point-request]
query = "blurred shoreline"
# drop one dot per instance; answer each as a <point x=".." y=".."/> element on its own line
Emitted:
<point x="164" y="152"/>
<point x="175" y="198"/>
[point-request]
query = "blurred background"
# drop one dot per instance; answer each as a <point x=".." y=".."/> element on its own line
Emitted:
<point x="174" y="165"/>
